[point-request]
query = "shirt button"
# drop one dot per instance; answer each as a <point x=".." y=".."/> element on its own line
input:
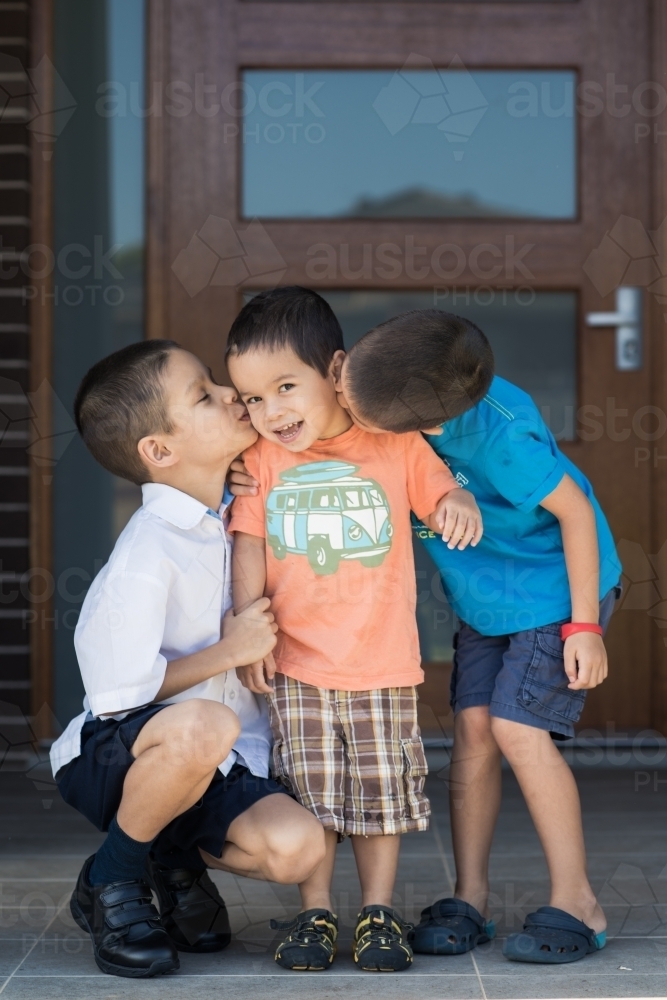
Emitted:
<point x="232" y="695"/>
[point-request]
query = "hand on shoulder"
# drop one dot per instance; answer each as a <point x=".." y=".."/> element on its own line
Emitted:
<point x="459" y="519"/>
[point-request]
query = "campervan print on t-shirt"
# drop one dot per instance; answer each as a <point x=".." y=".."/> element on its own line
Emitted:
<point x="325" y="512"/>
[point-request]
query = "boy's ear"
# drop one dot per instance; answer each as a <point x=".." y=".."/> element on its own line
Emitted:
<point x="156" y="453"/>
<point x="335" y="369"/>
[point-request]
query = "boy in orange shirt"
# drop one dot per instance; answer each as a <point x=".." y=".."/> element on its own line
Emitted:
<point x="328" y="539"/>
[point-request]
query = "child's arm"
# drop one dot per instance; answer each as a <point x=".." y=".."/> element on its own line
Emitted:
<point x="436" y="497"/>
<point x="248" y="583"/>
<point x="458" y="518"/>
<point x="584" y="652"/>
<point x="246" y="637"/>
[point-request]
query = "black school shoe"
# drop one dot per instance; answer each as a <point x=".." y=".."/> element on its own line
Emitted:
<point x="310" y="945"/>
<point x="192" y="911"/>
<point x="124" y="926"/>
<point x="380" y="941"/>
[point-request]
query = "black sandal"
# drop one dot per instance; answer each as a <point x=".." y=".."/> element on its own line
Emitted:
<point x="310" y="945"/>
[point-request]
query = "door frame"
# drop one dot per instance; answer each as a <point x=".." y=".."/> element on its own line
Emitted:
<point x="41" y="372"/>
<point x="216" y="39"/>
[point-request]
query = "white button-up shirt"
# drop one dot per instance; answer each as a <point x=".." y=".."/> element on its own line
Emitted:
<point x="161" y="596"/>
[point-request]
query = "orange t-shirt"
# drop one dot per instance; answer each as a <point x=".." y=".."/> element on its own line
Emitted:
<point x="339" y="563"/>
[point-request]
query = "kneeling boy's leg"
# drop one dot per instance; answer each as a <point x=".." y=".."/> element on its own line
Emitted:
<point x="176" y="752"/>
<point x="274" y="839"/>
<point x="552" y="797"/>
<point x="176" y="755"/>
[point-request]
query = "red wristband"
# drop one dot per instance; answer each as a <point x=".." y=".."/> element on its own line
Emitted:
<point x="573" y="627"/>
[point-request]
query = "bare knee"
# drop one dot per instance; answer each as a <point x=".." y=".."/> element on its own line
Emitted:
<point x="473" y="728"/>
<point x="522" y="744"/>
<point x="504" y="733"/>
<point x="296" y="849"/>
<point x="205" y="729"/>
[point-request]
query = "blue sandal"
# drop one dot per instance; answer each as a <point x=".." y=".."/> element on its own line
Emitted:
<point x="552" y="937"/>
<point x="450" y="927"/>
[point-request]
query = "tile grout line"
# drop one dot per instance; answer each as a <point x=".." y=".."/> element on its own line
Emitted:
<point x="34" y="945"/>
<point x="448" y="874"/>
<point x="343" y="975"/>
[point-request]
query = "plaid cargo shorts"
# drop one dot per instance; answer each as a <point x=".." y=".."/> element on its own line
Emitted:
<point x="353" y="758"/>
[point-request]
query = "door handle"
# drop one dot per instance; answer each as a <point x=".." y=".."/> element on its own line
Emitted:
<point x="628" y="322"/>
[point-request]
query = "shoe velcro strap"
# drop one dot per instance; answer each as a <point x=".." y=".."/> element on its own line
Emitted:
<point x="134" y="915"/>
<point x="125" y="892"/>
<point x="381" y="919"/>
<point x="282" y="925"/>
<point x="309" y="922"/>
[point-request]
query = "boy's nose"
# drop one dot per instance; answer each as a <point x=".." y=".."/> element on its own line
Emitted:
<point x="275" y="411"/>
<point x="229" y="394"/>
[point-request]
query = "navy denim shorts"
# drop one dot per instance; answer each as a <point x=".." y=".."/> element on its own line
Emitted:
<point x="521" y="677"/>
<point x="93" y="784"/>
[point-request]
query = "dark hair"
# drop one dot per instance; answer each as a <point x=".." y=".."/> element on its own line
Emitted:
<point x="120" y="401"/>
<point x="419" y="369"/>
<point x="288" y="317"/>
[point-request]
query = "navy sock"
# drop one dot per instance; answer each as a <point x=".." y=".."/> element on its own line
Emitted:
<point x="119" y="859"/>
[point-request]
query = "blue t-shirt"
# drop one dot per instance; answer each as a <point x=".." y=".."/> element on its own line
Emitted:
<point x="515" y="579"/>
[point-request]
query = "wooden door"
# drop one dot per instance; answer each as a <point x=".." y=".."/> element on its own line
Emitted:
<point x="614" y="50"/>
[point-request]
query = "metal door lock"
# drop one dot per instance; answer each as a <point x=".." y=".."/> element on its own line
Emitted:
<point x="628" y="322"/>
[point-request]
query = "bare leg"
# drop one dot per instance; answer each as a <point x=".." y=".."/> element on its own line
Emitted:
<point x="316" y="890"/>
<point x="474" y="795"/>
<point x="377" y="861"/>
<point x="552" y="797"/>
<point x="276" y="839"/>
<point x="176" y="754"/>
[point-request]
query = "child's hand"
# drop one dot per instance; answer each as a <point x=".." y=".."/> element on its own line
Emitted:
<point x="256" y="676"/>
<point x="239" y="480"/>
<point x="585" y="660"/>
<point x="250" y="635"/>
<point x="459" y="519"/>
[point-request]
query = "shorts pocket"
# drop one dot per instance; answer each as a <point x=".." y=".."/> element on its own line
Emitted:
<point x="415" y="770"/>
<point x="544" y="689"/>
<point x="279" y="766"/>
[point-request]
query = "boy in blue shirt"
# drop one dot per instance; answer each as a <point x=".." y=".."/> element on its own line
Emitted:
<point x="533" y="598"/>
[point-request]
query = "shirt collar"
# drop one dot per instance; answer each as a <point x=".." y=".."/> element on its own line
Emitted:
<point x="227" y="498"/>
<point x="172" y="505"/>
<point x="221" y="512"/>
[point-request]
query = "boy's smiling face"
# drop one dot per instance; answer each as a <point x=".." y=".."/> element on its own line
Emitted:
<point x="288" y="401"/>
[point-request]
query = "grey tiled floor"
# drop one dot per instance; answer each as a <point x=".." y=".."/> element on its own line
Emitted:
<point x="43" y="954"/>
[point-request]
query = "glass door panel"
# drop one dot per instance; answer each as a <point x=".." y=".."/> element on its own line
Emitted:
<point x="420" y="142"/>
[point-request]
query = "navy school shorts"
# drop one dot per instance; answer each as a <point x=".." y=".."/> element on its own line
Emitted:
<point x="93" y="785"/>
<point x="521" y="677"/>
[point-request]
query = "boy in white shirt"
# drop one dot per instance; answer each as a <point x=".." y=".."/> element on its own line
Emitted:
<point x="171" y="753"/>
